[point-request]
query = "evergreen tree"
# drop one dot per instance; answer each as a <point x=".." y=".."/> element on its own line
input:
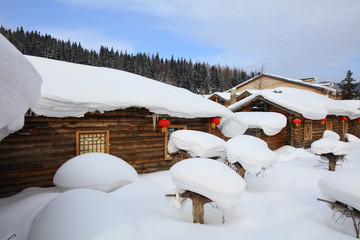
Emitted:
<point x="348" y="87"/>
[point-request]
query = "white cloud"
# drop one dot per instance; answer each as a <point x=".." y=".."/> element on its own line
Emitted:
<point x="287" y="37"/>
<point x="89" y="38"/>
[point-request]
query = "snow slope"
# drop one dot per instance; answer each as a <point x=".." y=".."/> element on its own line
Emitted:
<point x="20" y="87"/>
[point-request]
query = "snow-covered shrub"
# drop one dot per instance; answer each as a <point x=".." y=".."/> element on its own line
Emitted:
<point x="250" y="152"/>
<point x="83" y="214"/>
<point x="331" y="134"/>
<point x="197" y="144"/>
<point x="100" y="171"/>
<point x="351" y="138"/>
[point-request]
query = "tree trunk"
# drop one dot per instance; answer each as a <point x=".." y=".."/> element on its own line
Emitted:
<point x="239" y="169"/>
<point x="198" y="202"/>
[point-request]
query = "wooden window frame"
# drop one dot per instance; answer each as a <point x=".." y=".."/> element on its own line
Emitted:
<point x="329" y="125"/>
<point x="345" y="128"/>
<point x="107" y="139"/>
<point x="182" y="127"/>
<point x="308" y="137"/>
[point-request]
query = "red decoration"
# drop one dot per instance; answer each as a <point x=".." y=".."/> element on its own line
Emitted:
<point x="323" y="120"/>
<point x="358" y="119"/>
<point x="297" y="121"/>
<point x="164" y="123"/>
<point x="343" y="118"/>
<point x="215" y="120"/>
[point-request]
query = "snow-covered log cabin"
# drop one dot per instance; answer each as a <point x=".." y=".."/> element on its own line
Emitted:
<point x="88" y="109"/>
<point x="308" y="115"/>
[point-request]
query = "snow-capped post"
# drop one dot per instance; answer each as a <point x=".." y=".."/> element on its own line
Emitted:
<point x="205" y="180"/>
<point x="248" y="153"/>
<point x="297" y="121"/>
<point x="185" y="144"/>
<point x="331" y="148"/>
<point x="163" y="123"/>
<point x="214" y="122"/>
<point x="343" y="200"/>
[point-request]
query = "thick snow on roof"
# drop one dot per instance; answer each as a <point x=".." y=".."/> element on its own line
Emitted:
<point x="20" y="87"/>
<point x="232" y="126"/>
<point x="99" y="171"/>
<point x="342" y="187"/>
<point x="311" y="105"/>
<point x="270" y="122"/>
<point x="72" y="89"/>
<point x="251" y="152"/>
<point x="84" y="214"/>
<point x="209" y="178"/>
<point x="224" y="95"/>
<point x="197" y="144"/>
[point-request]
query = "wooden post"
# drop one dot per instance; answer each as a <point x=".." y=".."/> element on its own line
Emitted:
<point x="198" y="202"/>
<point x="240" y="169"/>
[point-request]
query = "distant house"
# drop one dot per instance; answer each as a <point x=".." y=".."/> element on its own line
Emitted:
<point x="269" y="81"/>
<point x="91" y="109"/>
<point x="316" y="112"/>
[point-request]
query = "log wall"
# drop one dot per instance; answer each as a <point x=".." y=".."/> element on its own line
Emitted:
<point x="31" y="156"/>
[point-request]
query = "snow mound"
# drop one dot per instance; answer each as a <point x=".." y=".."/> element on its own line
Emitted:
<point x="342" y="187"/>
<point x="331" y="134"/>
<point x="351" y="138"/>
<point x="197" y="144"/>
<point x="232" y="126"/>
<point x="83" y="214"/>
<point x="330" y="145"/>
<point x="209" y="178"/>
<point x="288" y="152"/>
<point x="251" y="152"/>
<point x="100" y="171"/>
<point x="20" y="86"/>
<point x="270" y="122"/>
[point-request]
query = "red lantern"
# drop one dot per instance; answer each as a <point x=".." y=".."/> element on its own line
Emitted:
<point x="164" y="123"/>
<point x="343" y="118"/>
<point x="214" y="122"/>
<point x="358" y="120"/>
<point x="297" y="121"/>
<point x="323" y="120"/>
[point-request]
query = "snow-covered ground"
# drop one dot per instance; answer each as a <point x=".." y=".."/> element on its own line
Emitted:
<point x="280" y="203"/>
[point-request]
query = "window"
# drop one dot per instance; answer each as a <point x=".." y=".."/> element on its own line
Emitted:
<point x="92" y="141"/>
<point x="168" y="133"/>
<point x="307" y="130"/>
<point x="259" y="107"/>
<point x="328" y="125"/>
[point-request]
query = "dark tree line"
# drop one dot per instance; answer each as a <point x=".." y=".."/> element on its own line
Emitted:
<point x="197" y="77"/>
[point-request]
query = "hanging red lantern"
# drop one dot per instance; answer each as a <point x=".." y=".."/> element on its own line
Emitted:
<point x="358" y="120"/>
<point x="323" y="120"/>
<point x="164" y="123"/>
<point x="343" y="118"/>
<point x="214" y="122"/>
<point x="297" y="121"/>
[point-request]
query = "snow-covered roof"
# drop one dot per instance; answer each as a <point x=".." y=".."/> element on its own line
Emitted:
<point x="224" y="95"/>
<point x="297" y="81"/>
<point x="71" y="90"/>
<point x="270" y="122"/>
<point x="307" y="103"/>
<point x="20" y="87"/>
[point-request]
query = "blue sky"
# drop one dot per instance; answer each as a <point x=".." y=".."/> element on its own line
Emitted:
<point x="290" y="38"/>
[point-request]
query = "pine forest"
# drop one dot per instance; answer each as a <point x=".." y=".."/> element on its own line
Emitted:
<point x="201" y="78"/>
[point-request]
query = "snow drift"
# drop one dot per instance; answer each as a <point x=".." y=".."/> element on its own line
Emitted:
<point x="100" y="171"/>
